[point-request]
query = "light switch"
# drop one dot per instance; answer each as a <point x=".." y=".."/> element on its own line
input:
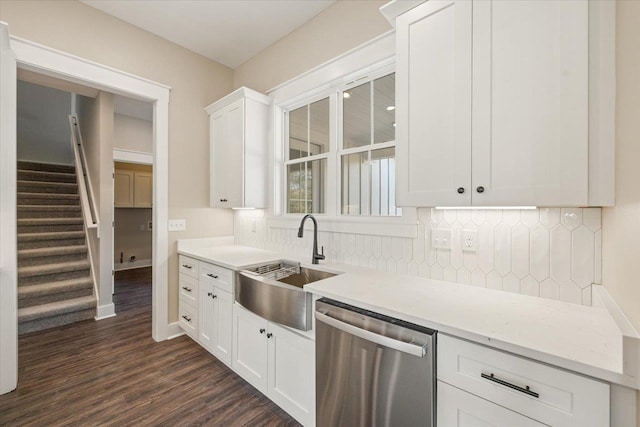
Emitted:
<point x="177" y="224"/>
<point x="441" y="238"/>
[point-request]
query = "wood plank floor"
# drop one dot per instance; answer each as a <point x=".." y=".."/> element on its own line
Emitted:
<point x="112" y="373"/>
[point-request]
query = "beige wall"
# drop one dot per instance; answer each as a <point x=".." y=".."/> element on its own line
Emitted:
<point x="195" y="82"/>
<point x="131" y="234"/>
<point x="621" y="224"/>
<point x="338" y="29"/>
<point x="132" y="134"/>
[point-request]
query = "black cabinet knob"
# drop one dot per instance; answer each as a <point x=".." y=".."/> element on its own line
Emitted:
<point x="460" y="190"/>
<point x="480" y="189"/>
<point x="262" y="330"/>
<point x="269" y="335"/>
<point x="213" y="296"/>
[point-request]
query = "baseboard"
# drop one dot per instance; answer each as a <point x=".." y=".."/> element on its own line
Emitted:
<point x="131" y="265"/>
<point x="105" y="311"/>
<point x="174" y="330"/>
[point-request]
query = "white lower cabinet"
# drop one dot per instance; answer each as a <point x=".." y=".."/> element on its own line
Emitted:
<point x="215" y="317"/>
<point x="278" y="362"/>
<point x="457" y="408"/>
<point x="540" y="392"/>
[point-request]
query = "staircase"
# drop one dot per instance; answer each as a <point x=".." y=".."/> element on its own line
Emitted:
<point x="55" y="285"/>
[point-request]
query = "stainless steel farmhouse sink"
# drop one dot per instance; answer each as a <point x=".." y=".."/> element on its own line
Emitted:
<point x="275" y="292"/>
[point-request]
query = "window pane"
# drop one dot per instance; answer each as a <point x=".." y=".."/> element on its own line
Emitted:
<point x="355" y="184"/>
<point x="356" y="116"/>
<point x="383" y="182"/>
<point x="298" y="121"/>
<point x="306" y="187"/>
<point x="295" y="188"/>
<point x="316" y="181"/>
<point x="384" y="104"/>
<point x="319" y="117"/>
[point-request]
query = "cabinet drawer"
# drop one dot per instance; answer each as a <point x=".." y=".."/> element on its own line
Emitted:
<point x="188" y="319"/>
<point x="218" y="276"/>
<point x="457" y="408"/>
<point x="550" y="395"/>
<point x="188" y="289"/>
<point x="188" y="266"/>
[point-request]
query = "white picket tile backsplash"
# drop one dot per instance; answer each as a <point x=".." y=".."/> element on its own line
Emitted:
<point x="549" y="252"/>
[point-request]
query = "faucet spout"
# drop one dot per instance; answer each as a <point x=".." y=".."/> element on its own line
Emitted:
<point x="316" y="256"/>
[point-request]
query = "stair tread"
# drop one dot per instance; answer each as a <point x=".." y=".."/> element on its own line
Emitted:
<point x="47" y="173"/>
<point x="51" y="251"/>
<point x="56" y="308"/>
<point x="52" y="221"/>
<point x="53" y="167"/>
<point x="30" y="291"/>
<point x="53" y="183"/>
<point x="46" y="208"/>
<point x="44" y="269"/>
<point x="50" y="235"/>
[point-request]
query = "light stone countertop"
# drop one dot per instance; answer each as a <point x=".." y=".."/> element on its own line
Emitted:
<point x="579" y="338"/>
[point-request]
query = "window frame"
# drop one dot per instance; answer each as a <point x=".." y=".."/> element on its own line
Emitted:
<point x="332" y="220"/>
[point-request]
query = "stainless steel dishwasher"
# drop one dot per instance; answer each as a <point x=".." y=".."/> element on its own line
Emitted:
<point x="372" y="370"/>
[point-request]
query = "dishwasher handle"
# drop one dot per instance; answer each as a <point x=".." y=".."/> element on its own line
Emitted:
<point x="413" y="349"/>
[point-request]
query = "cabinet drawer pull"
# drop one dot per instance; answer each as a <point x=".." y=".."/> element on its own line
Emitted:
<point x="524" y="390"/>
<point x="262" y="330"/>
<point x="212" y="275"/>
<point x="269" y="335"/>
<point x="480" y="189"/>
<point x="460" y="190"/>
<point x="188" y="319"/>
<point x="209" y="294"/>
<point x="223" y="200"/>
<point x="187" y="266"/>
<point x="186" y="289"/>
<point x="214" y="296"/>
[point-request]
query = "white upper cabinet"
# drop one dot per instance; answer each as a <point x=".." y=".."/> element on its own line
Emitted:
<point x="433" y="104"/>
<point x="238" y="130"/>
<point x="493" y="106"/>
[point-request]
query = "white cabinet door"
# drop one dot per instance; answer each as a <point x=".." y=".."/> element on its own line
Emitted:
<point x="142" y="189"/>
<point x="250" y="347"/>
<point x="292" y="373"/>
<point x="457" y="408"/>
<point x="530" y="102"/>
<point x="235" y="154"/>
<point x="222" y="325"/>
<point x="123" y="188"/>
<point x="433" y="104"/>
<point x="207" y="316"/>
<point x="219" y="164"/>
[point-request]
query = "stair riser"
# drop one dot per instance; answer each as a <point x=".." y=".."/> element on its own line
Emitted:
<point x="43" y="167"/>
<point x="54" y="297"/>
<point x="49" y="177"/>
<point x="26" y="262"/>
<point x="52" y="322"/>
<point x="54" y="277"/>
<point x="28" y="187"/>
<point x="35" y="244"/>
<point x="49" y="228"/>
<point x="60" y="213"/>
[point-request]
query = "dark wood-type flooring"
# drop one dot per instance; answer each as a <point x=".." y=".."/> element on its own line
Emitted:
<point x="111" y="372"/>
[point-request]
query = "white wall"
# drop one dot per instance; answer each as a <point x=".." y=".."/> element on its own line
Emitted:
<point x="43" y="124"/>
<point x="133" y="134"/>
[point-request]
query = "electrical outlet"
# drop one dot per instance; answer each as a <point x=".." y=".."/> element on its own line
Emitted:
<point x="177" y="224"/>
<point x="149" y="225"/>
<point x="469" y="240"/>
<point x="441" y="239"/>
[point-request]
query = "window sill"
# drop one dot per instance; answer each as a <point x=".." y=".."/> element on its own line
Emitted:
<point x="376" y="226"/>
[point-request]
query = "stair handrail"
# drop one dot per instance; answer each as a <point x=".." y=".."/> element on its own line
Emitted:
<point x="87" y="200"/>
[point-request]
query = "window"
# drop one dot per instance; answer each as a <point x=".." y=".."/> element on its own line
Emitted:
<point x="308" y="150"/>
<point x="360" y="156"/>
<point x="367" y="158"/>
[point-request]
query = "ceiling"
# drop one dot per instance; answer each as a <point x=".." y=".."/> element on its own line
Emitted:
<point x="227" y="31"/>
